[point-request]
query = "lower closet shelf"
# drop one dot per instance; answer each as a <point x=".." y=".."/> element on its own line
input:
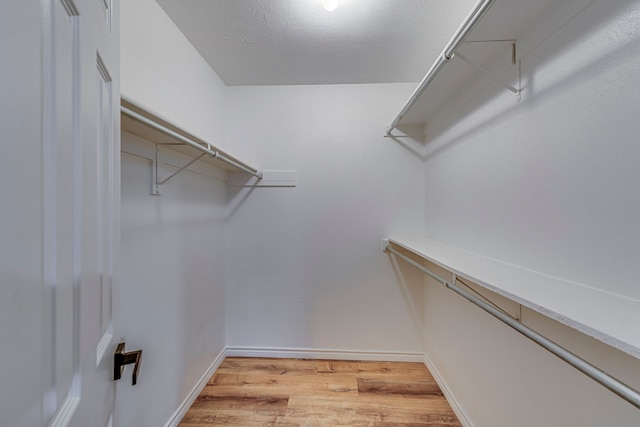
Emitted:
<point x="609" y="318"/>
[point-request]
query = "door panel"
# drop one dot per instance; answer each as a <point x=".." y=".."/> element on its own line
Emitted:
<point x="104" y="211"/>
<point x="22" y="365"/>
<point x="60" y="205"/>
<point x="62" y="190"/>
<point x="100" y="209"/>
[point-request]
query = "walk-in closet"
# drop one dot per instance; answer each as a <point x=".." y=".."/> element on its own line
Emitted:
<point x="320" y="212"/>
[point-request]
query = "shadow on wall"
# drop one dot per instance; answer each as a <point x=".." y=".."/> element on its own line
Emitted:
<point x="172" y="293"/>
<point x="411" y="138"/>
<point x="238" y="193"/>
<point x="410" y="280"/>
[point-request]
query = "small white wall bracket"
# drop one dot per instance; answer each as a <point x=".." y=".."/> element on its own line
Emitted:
<point x="385" y="245"/>
<point x="406" y="131"/>
<point x="269" y="178"/>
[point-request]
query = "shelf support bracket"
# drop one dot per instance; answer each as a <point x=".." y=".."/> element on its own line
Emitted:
<point x="157" y="184"/>
<point x="488" y="73"/>
<point x="616" y="386"/>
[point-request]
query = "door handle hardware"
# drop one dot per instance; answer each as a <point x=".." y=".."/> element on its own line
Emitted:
<point x="120" y="359"/>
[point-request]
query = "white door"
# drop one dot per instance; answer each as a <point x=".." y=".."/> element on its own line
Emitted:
<point x="59" y="194"/>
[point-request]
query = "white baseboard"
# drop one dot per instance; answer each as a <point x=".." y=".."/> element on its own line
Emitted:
<point x="460" y="413"/>
<point x="307" y="353"/>
<point x="195" y="391"/>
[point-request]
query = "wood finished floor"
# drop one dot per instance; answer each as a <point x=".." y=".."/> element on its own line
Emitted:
<point x="296" y="392"/>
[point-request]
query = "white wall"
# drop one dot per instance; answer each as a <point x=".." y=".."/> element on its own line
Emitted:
<point x="549" y="184"/>
<point x="163" y="72"/>
<point x="172" y="302"/>
<point x="305" y="267"/>
<point x="172" y="296"/>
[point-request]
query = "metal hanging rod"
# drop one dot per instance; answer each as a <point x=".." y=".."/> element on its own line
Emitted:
<point x="189" y="142"/>
<point x="616" y="386"/>
<point x="449" y="51"/>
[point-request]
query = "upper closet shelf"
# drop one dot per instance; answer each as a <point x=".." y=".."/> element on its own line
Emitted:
<point x="485" y="49"/>
<point x="610" y="318"/>
<point x="140" y="122"/>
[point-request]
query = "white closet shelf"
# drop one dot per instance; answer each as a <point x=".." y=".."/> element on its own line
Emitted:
<point x="490" y="47"/>
<point x="609" y="318"/>
<point x="153" y="128"/>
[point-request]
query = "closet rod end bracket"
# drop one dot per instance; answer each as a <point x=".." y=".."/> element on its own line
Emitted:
<point x="385" y="245"/>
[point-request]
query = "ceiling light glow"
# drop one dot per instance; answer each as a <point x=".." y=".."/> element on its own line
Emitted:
<point x="330" y="5"/>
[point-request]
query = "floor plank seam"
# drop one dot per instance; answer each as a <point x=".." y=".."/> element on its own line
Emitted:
<point x="310" y="392"/>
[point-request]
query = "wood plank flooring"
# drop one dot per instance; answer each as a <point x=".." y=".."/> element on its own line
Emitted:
<point x="297" y="392"/>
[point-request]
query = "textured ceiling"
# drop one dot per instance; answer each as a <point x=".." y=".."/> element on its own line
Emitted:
<point x="280" y="42"/>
